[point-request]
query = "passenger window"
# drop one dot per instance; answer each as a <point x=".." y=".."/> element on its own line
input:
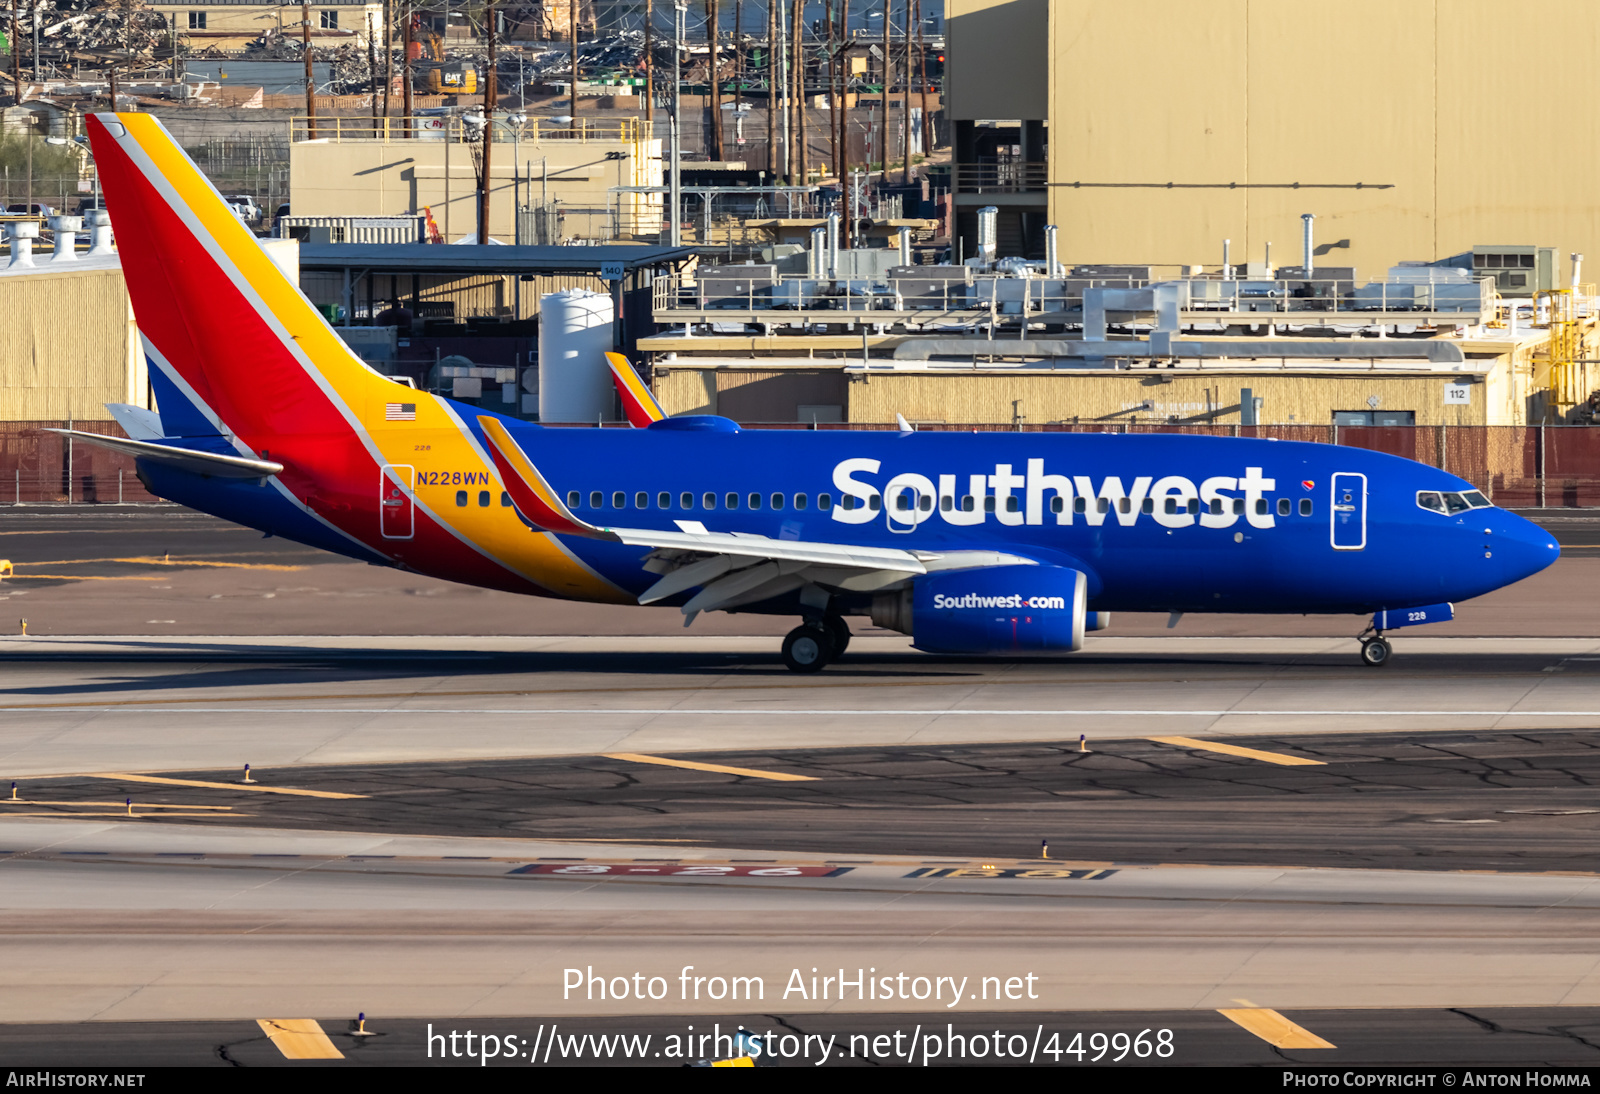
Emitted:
<point x="988" y="504"/>
<point x="505" y="500"/>
<point x="708" y="500"/>
<point x="619" y="500"/>
<point x="1080" y="505"/>
<point x="641" y="500"/>
<point x="461" y="498"/>
<point x="874" y="503"/>
<point x="925" y="503"/>
<point x="1305" y="507"/>
<point x="947" y="503"/>
<point x="825" y="501"/>
<point x="597" y="500"/>
<point x="1103" y="505"/>
<point x="483" y="499"/>
<point x="686" y="500"/>
<point x="663" y="500"/>
<point x="572" y="499"/>
<point x="1193" y="506"/>
<point x="800" y="502"/>
<point x="1148" y="505"/>
<point x="1238" y="506"/>
<point x="1172" y="505"/>
<point x="1013" y="504"/>
<point x="1058" y="504"/>
<point x="732" y="500"/>
<point x="902" y="500"/>
<point x="755" y="501"/>
<point x="1216" y="507"/>
<point x="1124" y="505"/>
<point x="1261" y="505"/>
<point x="968" y="503"/>
<point x="777" y="501"/>
<point x="1284" y="506"/>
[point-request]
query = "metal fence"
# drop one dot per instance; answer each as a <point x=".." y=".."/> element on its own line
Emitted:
<point x="1516" y="466"/>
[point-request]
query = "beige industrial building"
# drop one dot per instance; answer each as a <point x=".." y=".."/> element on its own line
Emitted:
<point x="1150" y="131"/>
<point x="70" y="343"/>
<point x="344" y="167"/>
<point x="230" y="24"/>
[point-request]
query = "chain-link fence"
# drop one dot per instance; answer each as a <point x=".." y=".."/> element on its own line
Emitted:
<point x="42" y="468"/>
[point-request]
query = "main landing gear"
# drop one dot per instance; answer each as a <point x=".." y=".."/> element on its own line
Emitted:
<point x="1375" y="651"/>
<point x="814" y="643"/>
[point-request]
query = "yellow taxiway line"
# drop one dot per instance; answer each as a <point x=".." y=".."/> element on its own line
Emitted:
<point x="299" y="1038"/>
<point x="750" y="772"/>
<point x="1235" y="750"/>
<point x="222" y="786"/>
<point x="1274" y="1028"/>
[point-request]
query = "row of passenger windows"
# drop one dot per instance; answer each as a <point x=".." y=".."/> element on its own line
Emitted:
<point x="485" y="499"/>
<point x="708" y="500"/>
<point x="904" y="501"/>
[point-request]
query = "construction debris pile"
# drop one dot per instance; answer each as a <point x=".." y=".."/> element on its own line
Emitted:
<point x="74" y="32"/>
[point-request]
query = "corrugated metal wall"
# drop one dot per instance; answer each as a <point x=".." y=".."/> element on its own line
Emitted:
<point x="67" y="346"/>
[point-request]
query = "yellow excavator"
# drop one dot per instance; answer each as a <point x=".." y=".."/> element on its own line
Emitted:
<point x="432" y="72"/>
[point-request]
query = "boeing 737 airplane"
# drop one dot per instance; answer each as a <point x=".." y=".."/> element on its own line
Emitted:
<point x="975" y="543"/>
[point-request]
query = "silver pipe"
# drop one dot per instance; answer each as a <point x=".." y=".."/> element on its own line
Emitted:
<point x="819" y="243"/>
<point x="833" y="245"/>
<point x="1052" y="268"/>
<point x="905" y="246"/>
<point x="99" y="233"/>
<point x="66" y="229"/>
<point x="22" y="233"/>
<point x="1577" y="268"/>
<point x="1305" y="222"/>
<point x="1227" y="264"/>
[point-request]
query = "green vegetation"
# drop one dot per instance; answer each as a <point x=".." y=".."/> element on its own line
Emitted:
<point x="55" y="168"/>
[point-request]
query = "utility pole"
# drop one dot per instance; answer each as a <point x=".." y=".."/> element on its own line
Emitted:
<point x="714" y="145"/>
<point x="572" y="24"/>
<point x="486" y="182"/>
<point x="372" y="70"/>
<point x="311" y="83"/>
<point x="888" y="74"/>
<point x="772" y="90"/>
<point x="388" y="52"/>
<point x="905" y="102"/>
<point x="405" y="72"/>
<point x="844" y="124"/>
<point x="649" y="72"/>
<point x="797" y="52"/>
<point x="922" y="68"/>
<point x="16" y="59"/>
<point x="783" y="64"/>
<point x="833" y="92"/>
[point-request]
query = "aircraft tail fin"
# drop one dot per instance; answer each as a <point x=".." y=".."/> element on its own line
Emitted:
<point x="638" y="404"/>
<point x="221" y="322"/>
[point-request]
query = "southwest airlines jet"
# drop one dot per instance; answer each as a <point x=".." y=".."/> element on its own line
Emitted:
<point x="978" y="543"/>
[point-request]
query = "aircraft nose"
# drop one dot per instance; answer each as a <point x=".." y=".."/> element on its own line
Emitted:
<point x="1520" y="546"/>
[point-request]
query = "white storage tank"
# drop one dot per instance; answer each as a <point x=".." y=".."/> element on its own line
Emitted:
<point x="574" y="337"/>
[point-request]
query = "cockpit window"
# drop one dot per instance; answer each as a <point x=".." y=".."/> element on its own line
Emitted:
<point x="1477" y="500"/>
<point x="1456" y="503"/>
<point x="1430" y="499"/>
<point x="1441" y="502"/>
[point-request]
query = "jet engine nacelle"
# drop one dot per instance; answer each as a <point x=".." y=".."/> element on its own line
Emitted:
<point x="993" y="609"/>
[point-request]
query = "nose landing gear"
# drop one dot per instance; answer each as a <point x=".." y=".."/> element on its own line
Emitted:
<point x="1375" y="651"/>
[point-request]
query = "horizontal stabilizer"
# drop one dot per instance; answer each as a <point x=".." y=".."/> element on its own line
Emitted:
<point x="185" y="459"/>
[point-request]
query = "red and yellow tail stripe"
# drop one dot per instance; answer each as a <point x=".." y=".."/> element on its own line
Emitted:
<point x="229" y="327"/>
<point x="533" y="496"/>
<point x="638" y="404"/>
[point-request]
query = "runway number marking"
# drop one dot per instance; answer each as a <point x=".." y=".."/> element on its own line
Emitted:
<point x="1009" y="871"/>
<point x="1282" y="758"/>
<point x="596" y="869"/>
<point x="225" y="786"/>
<point x="749" y="772"/>
<point x="299" y="1038"/>
<point x="1274" y="1028"/>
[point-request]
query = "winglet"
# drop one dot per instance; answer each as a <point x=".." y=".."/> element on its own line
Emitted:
<point x="535" y="500"/>
<point x="637" y="403"/>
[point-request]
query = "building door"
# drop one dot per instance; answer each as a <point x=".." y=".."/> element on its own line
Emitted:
<point x="1349" y="511"/>
<point x="397" y="512"/>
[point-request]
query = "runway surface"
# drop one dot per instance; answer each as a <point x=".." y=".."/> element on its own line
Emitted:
<point x="443" y="821"/>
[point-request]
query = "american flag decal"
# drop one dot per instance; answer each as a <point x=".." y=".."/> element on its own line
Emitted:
<point x="399" y="412"/>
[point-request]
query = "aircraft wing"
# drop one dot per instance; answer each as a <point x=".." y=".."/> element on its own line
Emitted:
<point x="730" y="568"/>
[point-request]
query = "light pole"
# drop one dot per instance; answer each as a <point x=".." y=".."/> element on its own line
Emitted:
<point x="675" y="181"/>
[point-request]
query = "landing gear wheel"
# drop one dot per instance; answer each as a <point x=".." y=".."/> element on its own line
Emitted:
<point x="807" y="648"/>
<point x="839" y="633"/>
<point x="1375" y="652"/>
